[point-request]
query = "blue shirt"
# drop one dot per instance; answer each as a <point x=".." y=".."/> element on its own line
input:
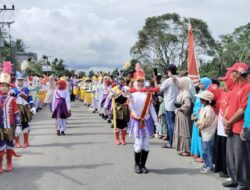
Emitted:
<point x="247" y="114"/>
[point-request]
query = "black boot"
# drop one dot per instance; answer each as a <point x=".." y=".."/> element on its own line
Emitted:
<point x="58" y="133"/>
<point x="137" y="167"/>
<point x="144" y="156"/>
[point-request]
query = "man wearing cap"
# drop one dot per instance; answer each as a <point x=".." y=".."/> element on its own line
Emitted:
<point x="233" y="122"/>
<point x="170" y="89"/>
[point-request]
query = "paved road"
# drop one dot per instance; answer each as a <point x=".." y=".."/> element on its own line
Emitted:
<point x="87" y="158"/>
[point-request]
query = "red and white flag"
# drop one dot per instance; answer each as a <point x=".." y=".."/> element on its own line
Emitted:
<point x="193" y="70"/>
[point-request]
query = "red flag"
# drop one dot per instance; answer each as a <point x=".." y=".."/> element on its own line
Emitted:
<point x="193" y="70"/>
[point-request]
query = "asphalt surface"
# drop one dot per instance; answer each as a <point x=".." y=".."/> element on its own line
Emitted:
<point x="87" y="158"/>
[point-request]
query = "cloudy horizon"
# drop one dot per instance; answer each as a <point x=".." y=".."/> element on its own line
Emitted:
<point x="98" y="34"/>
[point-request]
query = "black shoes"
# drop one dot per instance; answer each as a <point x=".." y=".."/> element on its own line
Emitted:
<point x="137" y="169"/>
<point x="144" y="157"/>
<point x="229" y="184"/>
<point x="223" y="175"/>
<point x="242" y="188"/>
<point x="60" y="133"/>
<point x="140" y="162"/>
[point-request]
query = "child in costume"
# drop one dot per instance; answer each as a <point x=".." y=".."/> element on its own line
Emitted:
<point x="120" y="110"/>
<point x="61" y="107"/>
<point x="33" y="88"/>
<point x="142" y="120"/>
<point x="9" y="120"/>
<point x="26" y="107"/>
<point x="106" y="87"/>
<point x="94" y="104"/>
<point x="88" y="94"/>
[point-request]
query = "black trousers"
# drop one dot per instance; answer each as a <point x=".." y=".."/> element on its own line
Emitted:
<point x="220" y="154"/>
<point x="247" y="153"/>
<point x="237" y="164"/>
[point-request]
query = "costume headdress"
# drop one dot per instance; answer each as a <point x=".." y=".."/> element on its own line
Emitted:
<point x="5" y="76"/>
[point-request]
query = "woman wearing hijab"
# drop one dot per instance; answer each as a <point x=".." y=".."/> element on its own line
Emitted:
<point x="183" y="123"/>
<point x="196" y="145"/>
<point x="51" y="85"/>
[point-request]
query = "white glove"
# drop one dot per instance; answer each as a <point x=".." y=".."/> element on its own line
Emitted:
<point x="18" y="131"/>
<point x="33" y="110"/>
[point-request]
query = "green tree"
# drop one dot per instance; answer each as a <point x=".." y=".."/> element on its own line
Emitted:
<point x="91" y="74"/>
<point x="163" y="40"/>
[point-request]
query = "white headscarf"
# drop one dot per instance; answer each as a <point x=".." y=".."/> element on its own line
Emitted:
<point x="187" y="89"/>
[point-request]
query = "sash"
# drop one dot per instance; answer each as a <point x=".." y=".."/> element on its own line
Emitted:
<point x="23" y="96"/>
<point x="144" y="111"/>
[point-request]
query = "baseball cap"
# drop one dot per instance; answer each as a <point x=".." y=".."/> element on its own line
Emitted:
<point x="240" y="67"/>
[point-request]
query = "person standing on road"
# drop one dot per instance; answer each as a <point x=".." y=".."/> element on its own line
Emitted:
<point x="26" y="107"/>
<point x="10" y="123"/>
<point x="233" y="121"/>
<point x="170" y="89"/>
<point x="51" y="87"/>
<point x="141" y="124"/>
<point x="61" y="108"/>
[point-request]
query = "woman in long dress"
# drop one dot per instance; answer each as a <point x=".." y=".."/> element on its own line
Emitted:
<point x="183" y="123"/>
<point x="51" y="86"/>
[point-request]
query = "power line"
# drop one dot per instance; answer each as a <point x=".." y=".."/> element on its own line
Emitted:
<point x="2" y="25"/>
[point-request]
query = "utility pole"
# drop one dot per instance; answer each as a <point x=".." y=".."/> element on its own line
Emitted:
<point x="2" y="25"/>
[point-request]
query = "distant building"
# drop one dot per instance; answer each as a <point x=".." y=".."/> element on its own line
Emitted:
<point x="20" y="57"/>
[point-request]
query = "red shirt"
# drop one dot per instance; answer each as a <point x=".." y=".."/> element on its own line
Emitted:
<point x="224" y="102"/>
<point x="238" y="100"/>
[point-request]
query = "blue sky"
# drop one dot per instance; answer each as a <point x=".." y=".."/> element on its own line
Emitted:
<point x="98" y="34"/>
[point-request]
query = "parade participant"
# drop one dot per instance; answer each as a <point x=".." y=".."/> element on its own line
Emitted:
<point x="106" y="87"/>
<point x="233" y="121"/>
<point x="10" y="123"/>
<point x="94" y="104"/>
<point x="88" y="94"/>
<point x="141" y="125"/>
<point x="120" y="110"/>
<point x="207" y="124"/>
<point x="42" y="92"/>
<point x="107" y="106"/>
<point x="76" y="90"/>
<point x="33" y="88"/>
<point x="196" y="142"/>
<point x="26" y="107"/>
<point x="183" y="124"/>
<point x="61" y="107"/>
<point x="51" y="87"/>
<point x="82" y="89"/>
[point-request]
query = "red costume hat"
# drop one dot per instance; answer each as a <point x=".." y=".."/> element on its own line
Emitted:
<point x="61" y="84"/>
<point x="239" y="67"/>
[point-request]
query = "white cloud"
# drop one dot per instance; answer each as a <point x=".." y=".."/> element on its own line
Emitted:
<point x="99" y="33"/>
